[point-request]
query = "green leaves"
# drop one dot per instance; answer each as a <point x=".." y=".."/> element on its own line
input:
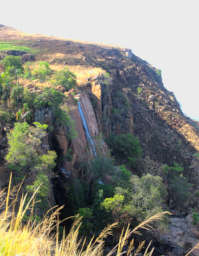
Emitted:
<point x="17" y="95"/>
<point x="42" y="182"/>
<point x="25" y="153"/>
<point x="27" y="158"/>
<point x="42" y="71"/>
<point x="49" y="98"/>
<point x="64" y="78"/>
<point x="177" y="185"/>
<point x="113" y="203"/>
<point x="140" y="198"/>
<point x="12" y="65"/>
<point x="125" y="148"/>
<point x="18" y="153"/>
<point x="41" y="126"/>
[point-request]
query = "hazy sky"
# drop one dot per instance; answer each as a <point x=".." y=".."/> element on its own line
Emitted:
<point x="163" y="32"/>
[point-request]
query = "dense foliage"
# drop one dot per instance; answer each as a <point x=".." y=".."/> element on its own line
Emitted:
<point x="64" y="78"/>
<point x="125" y="148"/>
<point x="108" y="193"/>
<point x="12" y="65"/>
<point x="26" y="157"/>
<point x="104" y="189"/>
<point x="178" y="186"/>
<point x="41" y="71"/>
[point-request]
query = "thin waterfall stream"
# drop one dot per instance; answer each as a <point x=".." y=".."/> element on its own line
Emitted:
<point x="88" y="136"/>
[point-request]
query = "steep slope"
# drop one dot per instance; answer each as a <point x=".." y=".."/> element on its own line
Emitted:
<point x="126" y="92"/>
<point x="132" y="98"/>
<point x="119" y="93"/>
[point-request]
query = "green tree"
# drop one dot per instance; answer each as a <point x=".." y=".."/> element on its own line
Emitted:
<point x="25" y="151"/>
<point x="13" y="65"/>
<point x="42" y="71"/>
<point x="125" y="148"/>
<point x="27" y="158"/>
<point x="27" y="71"/>
<point x="65" y="78"/>
<point x="5" y="118"/>
<point x="87" y="223"/>
<point x="17" y="96"/>
<point x="177" y="185"/>
<point x="6" y="84"/>
<point x="49" y="97"/>
<point x="142" y="198"/>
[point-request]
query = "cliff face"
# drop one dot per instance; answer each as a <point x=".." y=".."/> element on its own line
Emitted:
<point x="118" y="93"/>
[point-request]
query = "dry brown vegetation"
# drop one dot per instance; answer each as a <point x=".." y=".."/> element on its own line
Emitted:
<point x="30" y="238"/>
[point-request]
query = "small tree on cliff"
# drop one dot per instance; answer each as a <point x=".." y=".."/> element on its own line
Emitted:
<point x="179" y="189"/>
<point x="136" y="199"/>
<point x="64" y="78"/>
<point x="12" y="66"/>
<point x="28" y="158"/>
<point x="125" y="148"/>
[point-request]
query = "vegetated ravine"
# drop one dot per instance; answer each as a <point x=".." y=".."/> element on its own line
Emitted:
<point x="124" y="149"/>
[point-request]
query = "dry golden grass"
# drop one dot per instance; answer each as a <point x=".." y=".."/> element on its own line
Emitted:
<point x="36" y="239"/>
<point x="83" y="73"/>
<point x="195" y="248"/>
<point x="17" y="238"/>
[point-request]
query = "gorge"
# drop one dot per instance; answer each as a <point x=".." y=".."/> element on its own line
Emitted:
<point x="117" y="133"/>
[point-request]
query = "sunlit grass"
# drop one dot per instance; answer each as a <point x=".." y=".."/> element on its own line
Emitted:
<point x="5" y="46"/>
<point x="19" y="238"/>
<point x="82" y="73"/>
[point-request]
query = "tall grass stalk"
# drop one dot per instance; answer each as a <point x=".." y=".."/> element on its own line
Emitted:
<point x="25" y="238"/>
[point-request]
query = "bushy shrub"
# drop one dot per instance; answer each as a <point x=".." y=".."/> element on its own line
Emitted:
<point x="42" y="183"/>
<point x="121" y="176"/>
<point x="125" y="148"/>
<point x="195" y="217"/>
<point x="17" y="96"/>
<point x="114" y="205"/>
<point x="101" y="166"/>
<point x="29" y="98"/>
<point x="12" y="65"/>
<point x="63" y="118"/>
<point x="177" y="185"/>
<point x="64" y="78"/>
<point x="87" y="220"/>
<point x="27" y="71"/>
<point x="24" y="152"/>
<point x="26" y="156"/>
<point x="141" y="198"/>
<point x="5" y="117"/>
<point x="49" y="97"/>
<point x="6" y="85"/>
<point x="42" y="71"/>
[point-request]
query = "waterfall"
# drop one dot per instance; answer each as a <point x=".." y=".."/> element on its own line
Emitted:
<point x="88" y="136"/>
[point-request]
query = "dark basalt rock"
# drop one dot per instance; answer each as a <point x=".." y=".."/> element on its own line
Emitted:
<point x="16" y="53"/>
<point x="28" y="57"/>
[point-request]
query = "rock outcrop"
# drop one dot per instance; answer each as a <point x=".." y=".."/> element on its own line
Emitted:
<point x="119" y="93"/>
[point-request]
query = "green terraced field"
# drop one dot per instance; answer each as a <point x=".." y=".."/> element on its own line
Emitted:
<point x="4" y="46"/>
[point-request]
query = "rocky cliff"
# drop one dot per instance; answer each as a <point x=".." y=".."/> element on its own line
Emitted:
<point x="119" y="93"/>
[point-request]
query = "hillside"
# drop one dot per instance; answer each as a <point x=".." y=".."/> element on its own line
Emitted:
<point x="110" y="93"/>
